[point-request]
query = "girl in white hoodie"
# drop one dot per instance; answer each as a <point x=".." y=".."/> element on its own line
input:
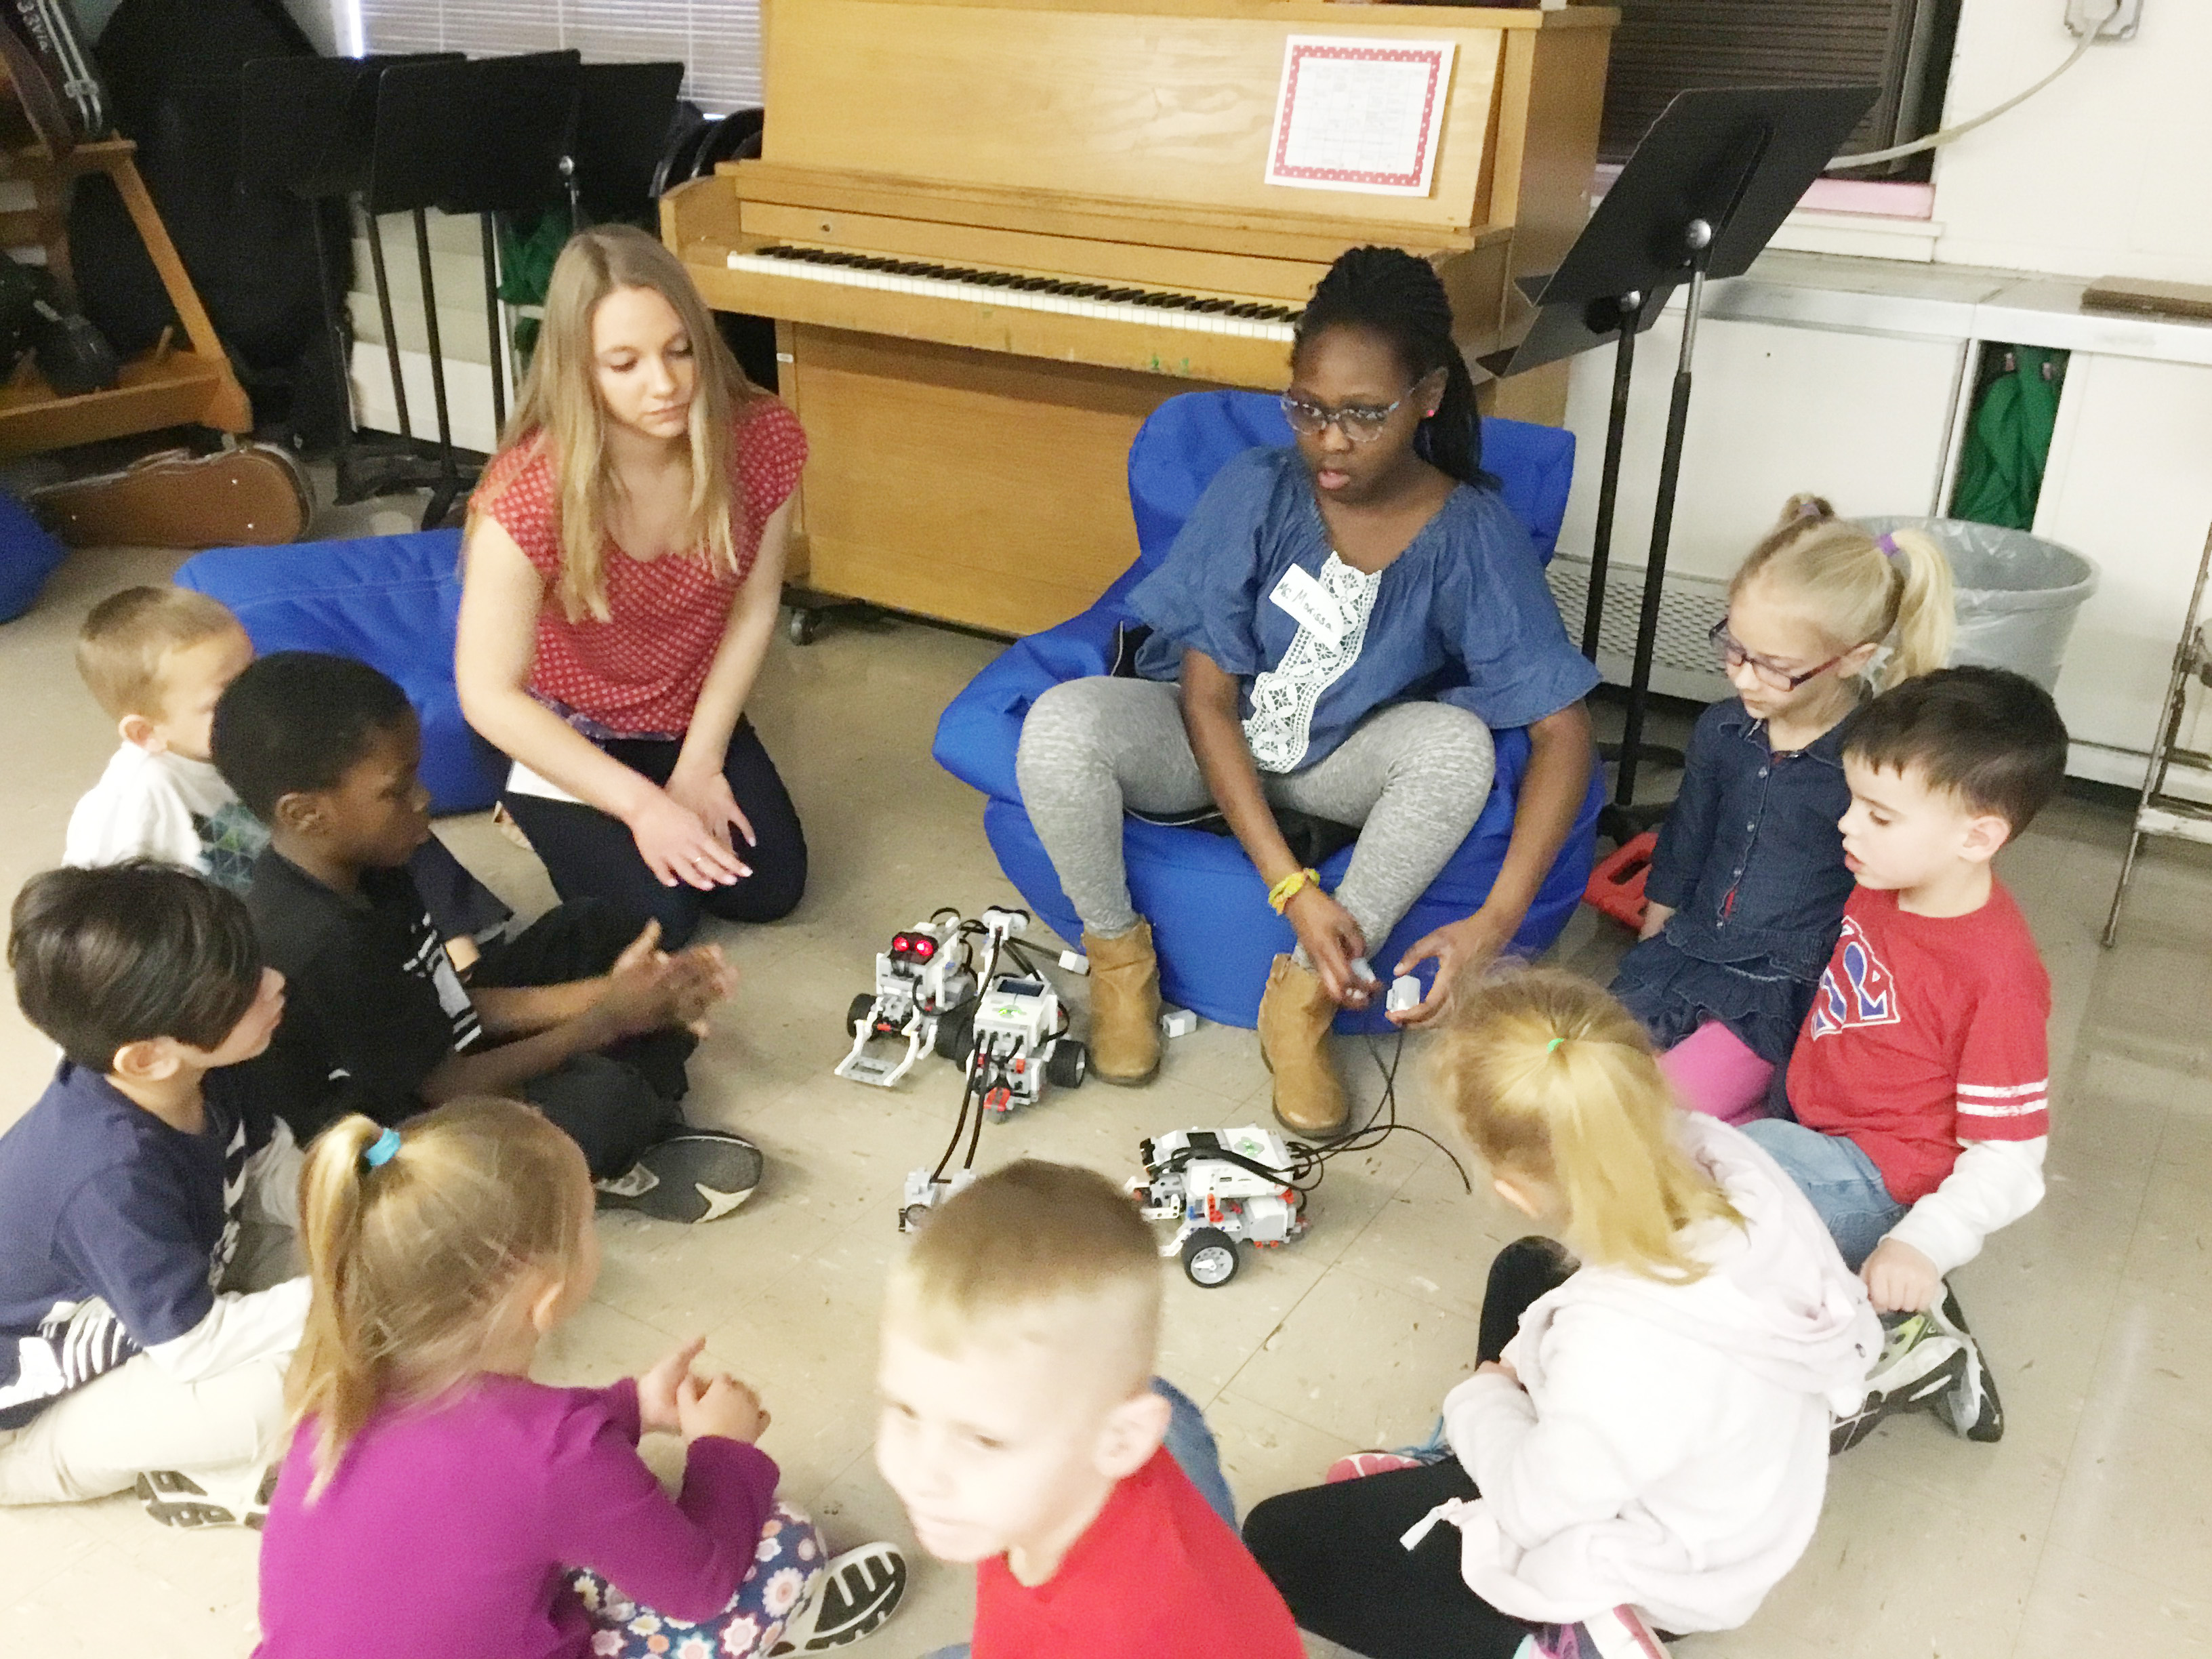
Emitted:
<point x="1653" y="1438"/>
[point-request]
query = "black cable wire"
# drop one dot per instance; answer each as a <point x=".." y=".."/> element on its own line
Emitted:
<point x="1308" y="1160"/>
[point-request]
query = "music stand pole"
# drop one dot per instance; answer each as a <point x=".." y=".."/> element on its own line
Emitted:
<point x="1699" y="235"/>
<point x="1616" y="434"/>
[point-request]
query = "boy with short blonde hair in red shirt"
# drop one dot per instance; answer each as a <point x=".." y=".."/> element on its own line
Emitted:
<point x="1920" y="1084"/>
<point x="1022" y="1431"/>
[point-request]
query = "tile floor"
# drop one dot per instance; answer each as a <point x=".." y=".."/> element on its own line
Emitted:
<point x="2086" y="1531"/>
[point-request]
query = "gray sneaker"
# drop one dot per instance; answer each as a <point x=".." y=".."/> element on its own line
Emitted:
<point x="857" y="1591"/>
<point x="178" y="1500"/>
<point x="1921" y="1361"/>
<point x="696" y="1174"/>
<point x="1971" y="1408"/>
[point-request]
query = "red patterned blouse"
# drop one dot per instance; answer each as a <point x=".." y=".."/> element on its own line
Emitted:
<point x="638" y="673"/>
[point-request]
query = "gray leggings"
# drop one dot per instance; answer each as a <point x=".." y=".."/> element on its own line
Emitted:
<point x="1413" y="776"/>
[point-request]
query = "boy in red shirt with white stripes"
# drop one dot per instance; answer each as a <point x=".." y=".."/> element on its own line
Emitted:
<point x="1920" y="1082"/>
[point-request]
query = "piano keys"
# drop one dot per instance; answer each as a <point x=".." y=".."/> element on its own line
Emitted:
<point x="997" y="234"/>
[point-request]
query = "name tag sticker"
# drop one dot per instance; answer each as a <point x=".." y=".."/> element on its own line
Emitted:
<point x="1310" y="605"/>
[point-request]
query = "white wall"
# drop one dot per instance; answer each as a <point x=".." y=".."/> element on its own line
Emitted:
<point x="2103" y="173"/>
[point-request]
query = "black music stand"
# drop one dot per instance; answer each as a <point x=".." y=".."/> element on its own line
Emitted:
<point x="469" y="137"/>
<point x="623" y="111"/>
<point x="307" y="126"/>
<point x="1700" y="198"/>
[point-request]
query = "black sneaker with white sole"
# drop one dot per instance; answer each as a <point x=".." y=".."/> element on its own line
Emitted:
<point x="695" y="1174"/>
<point x="178" y="1500"/>
<point x="1921" y="1361"/>
<point x="1971" y="1409"/>
<point x="857" y="1591"/>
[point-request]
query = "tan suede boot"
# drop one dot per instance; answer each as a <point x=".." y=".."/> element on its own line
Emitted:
<point x="1295" y="1016"/>
<point x="1125" y="1006"/>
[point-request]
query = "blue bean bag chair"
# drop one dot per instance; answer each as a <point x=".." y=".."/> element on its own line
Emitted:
<point x="1212" y="926"/>
<point x="391" y="601"/>
<point x="27" y="556"/>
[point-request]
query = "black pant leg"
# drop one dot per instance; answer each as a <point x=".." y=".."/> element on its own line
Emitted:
<point x="1524" y="1271"/>
<point x="591" y="855"/>
<point x="1333" y="1553"/>
<point x="580" y="940"/>
<point x="460" y="906"/>
<point x="577" y="939"/>
<point x="778" y="856"/>
<point x="606" y="1107"/>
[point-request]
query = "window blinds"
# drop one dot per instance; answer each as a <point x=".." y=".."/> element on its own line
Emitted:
<point x="1666" y="47"/>
<point x="718" y="40"/>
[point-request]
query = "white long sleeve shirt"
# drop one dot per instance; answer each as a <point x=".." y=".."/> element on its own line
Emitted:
<point x="1667" y="1445"/>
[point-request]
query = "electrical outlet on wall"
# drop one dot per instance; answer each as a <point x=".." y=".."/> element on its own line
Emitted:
<point x="2119" y="21"/>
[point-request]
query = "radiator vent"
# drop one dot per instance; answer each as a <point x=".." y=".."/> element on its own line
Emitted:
<point x="1683" y="664"/>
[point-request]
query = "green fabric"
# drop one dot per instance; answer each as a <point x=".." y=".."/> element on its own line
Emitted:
<point x="2009" y="441"/>
<point x="526" y="264"/>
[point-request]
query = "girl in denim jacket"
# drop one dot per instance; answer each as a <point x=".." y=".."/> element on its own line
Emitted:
<point x="1747" y="886"/>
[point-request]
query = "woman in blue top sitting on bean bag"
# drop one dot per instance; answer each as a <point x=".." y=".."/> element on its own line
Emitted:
<point x="1338" y="629"/>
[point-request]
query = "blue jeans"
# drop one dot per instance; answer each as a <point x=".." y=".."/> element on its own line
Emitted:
<point x="1190" y="1443"/>
<point x="1845" y="1188"/>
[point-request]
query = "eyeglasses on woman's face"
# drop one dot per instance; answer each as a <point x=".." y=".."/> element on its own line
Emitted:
<point x="1773" y="675"/>
<point x="1359" y="423"/>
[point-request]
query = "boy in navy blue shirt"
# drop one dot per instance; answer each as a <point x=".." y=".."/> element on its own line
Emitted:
<point x="140" y="1199"/>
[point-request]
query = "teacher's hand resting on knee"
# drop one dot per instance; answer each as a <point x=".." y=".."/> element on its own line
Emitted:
<point x="623" y="562"/>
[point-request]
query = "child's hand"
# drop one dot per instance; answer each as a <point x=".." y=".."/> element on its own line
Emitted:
<point x="637" y="997"/>
<point x="702" y="978"/>
<point x="640" y="952"/>
<point x="1899" y="1279"/>
<point x="1503" y="1368"/>
<point x="723" y="1407"/>
<point x="1655" y="918"/>
<point x="658" y="1389"/>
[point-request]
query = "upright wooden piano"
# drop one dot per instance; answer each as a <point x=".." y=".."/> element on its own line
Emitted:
<point x="997" y="234"/>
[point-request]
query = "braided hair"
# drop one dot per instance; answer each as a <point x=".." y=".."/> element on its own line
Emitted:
<point x="1389" y="293"/>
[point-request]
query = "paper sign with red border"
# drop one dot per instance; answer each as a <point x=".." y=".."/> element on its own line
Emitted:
<point x="1359" y="114"/>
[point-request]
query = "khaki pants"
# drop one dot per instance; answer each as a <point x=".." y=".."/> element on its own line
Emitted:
<point x="221" y="1432"/>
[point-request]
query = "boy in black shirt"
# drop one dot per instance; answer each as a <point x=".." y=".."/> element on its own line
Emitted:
<point x="589" y="1026"/>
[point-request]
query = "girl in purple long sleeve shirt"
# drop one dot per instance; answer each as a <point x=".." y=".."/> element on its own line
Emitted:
<point x="437" y="1501"/>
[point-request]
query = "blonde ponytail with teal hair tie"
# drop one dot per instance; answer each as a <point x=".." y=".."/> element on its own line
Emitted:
<point x="1552" y="1047"/>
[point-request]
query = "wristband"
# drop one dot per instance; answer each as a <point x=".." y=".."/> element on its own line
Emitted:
<point x="1291" y="886"/>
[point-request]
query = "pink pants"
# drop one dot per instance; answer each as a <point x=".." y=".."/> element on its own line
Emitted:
<point x="1714" y="1072"/>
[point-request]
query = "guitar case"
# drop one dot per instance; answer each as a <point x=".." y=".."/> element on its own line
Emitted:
<point x="48" y="31"/>
<point x="249" y="495"/>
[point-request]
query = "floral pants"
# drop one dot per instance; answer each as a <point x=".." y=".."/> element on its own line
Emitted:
<point x="784" y="1570"/>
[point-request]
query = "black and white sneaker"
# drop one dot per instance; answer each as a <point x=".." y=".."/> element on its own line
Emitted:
<point x="1921" y="1360"/>
<point x="1971" y="1409"/>
<point x="857" y="1591"/>
<point x="696" y="1174"/>
<point x="178" y="1500"/>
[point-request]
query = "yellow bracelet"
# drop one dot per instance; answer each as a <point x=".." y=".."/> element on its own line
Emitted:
<point x="1290" y="885"/>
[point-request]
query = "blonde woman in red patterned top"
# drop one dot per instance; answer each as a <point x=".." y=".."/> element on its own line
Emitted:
<point x="623" y="563"/>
